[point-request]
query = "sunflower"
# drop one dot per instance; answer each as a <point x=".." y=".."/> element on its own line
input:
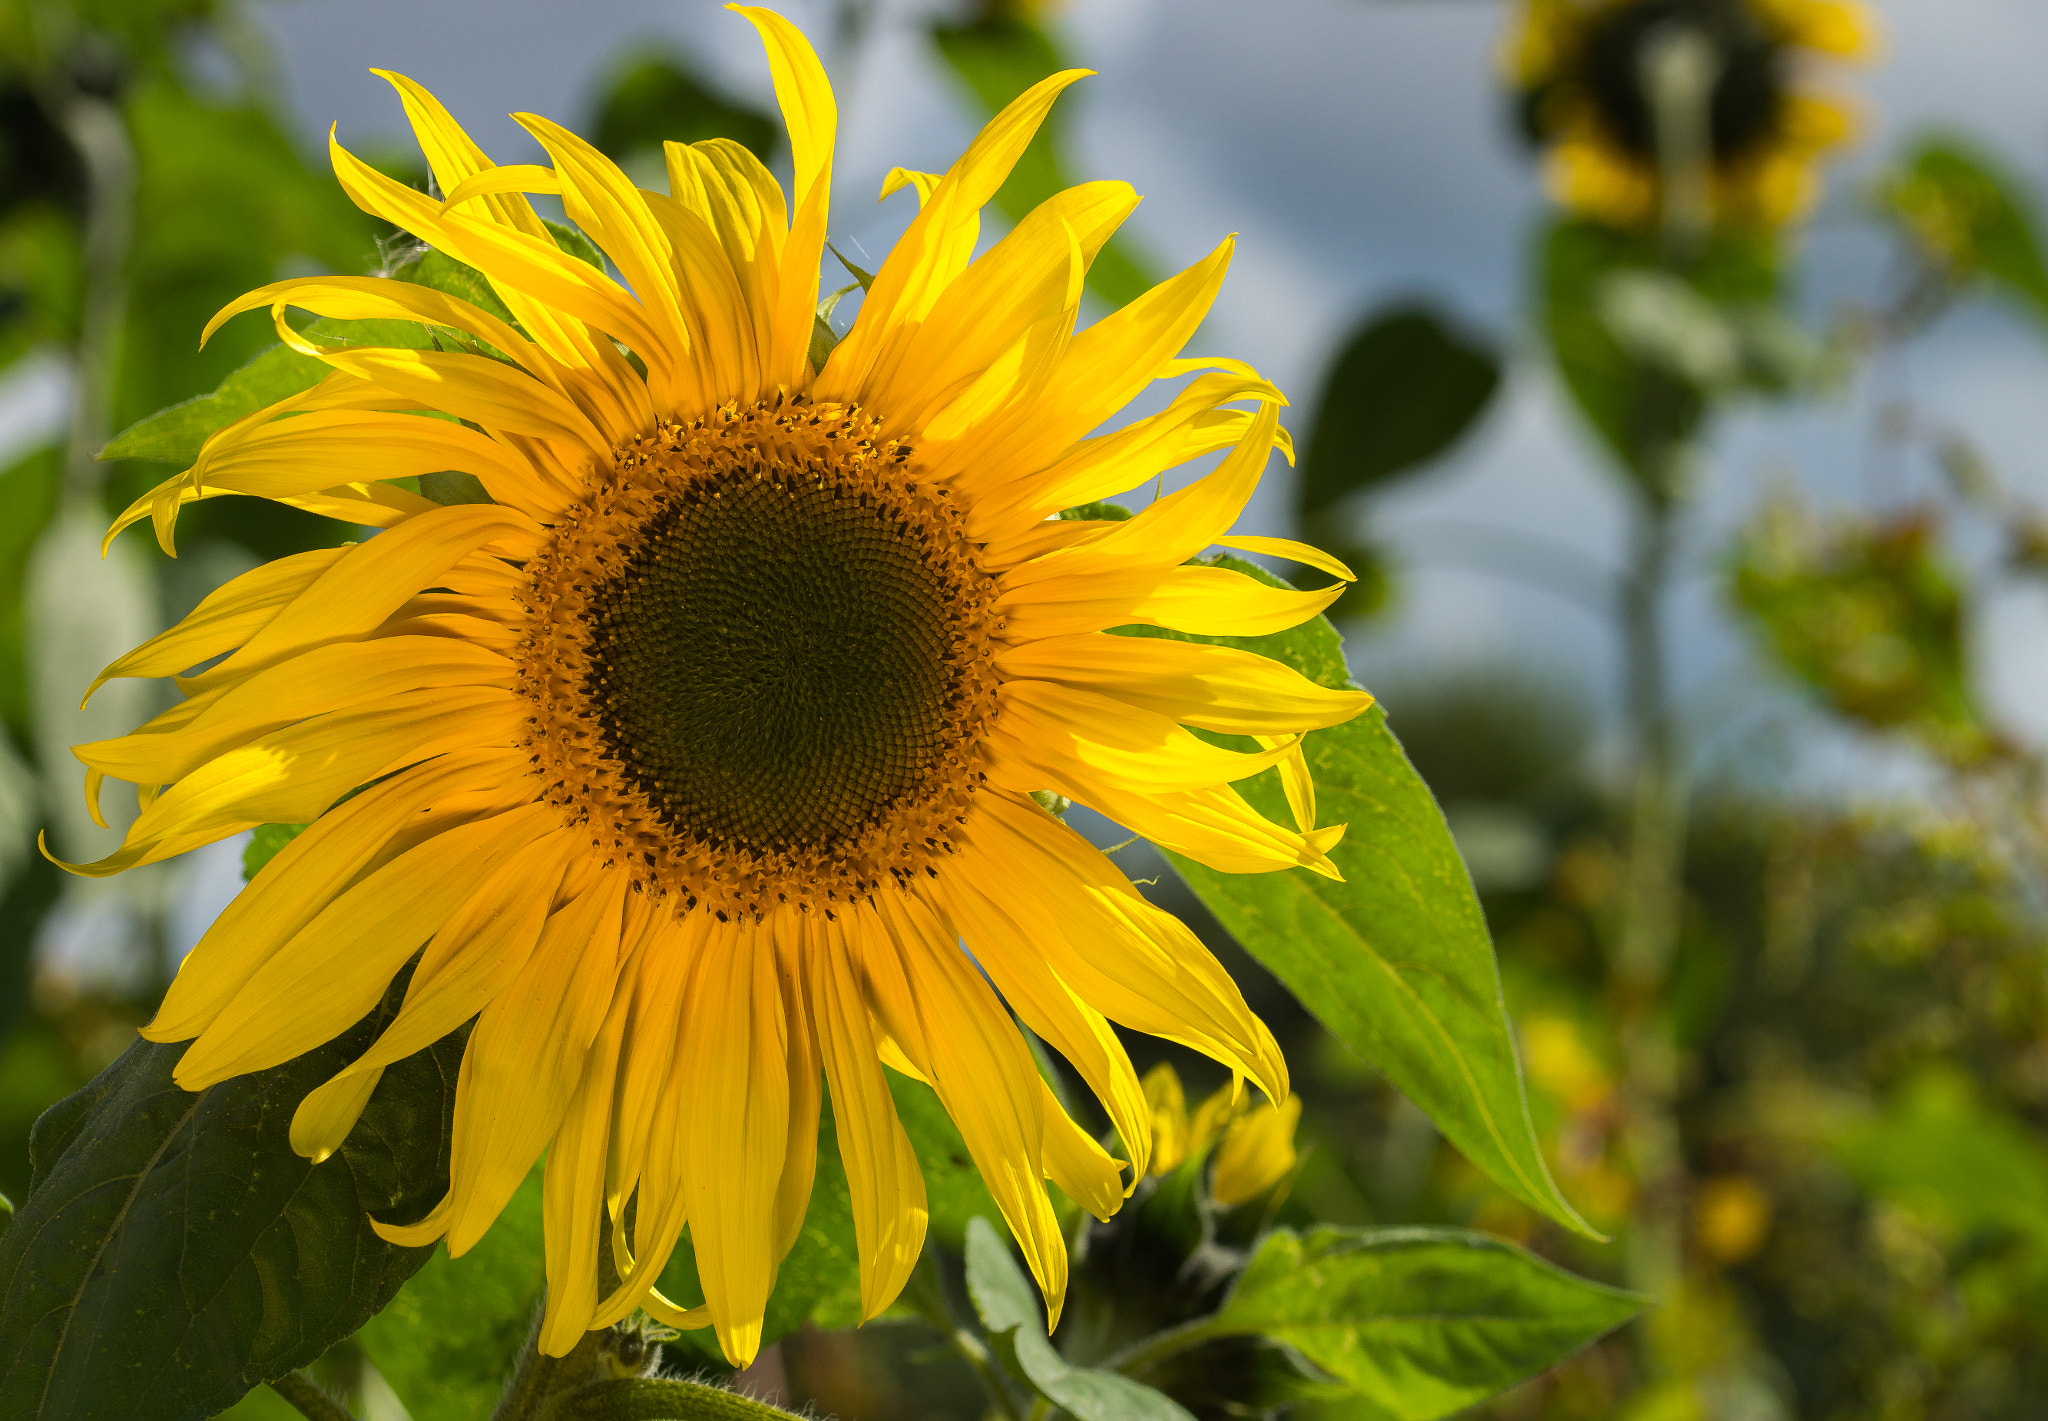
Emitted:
<point x="1578" y="65"/>
<point x="685" y="764"/>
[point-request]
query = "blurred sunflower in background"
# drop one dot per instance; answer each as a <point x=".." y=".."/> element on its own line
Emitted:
<point x="694" y="743"/>
<point x="1585" y="75"/>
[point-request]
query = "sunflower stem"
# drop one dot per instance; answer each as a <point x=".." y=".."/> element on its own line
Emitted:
<point x="537" y="1378"/>
<point x="926" y="1296"/>
<point x="306" y="1398"/>
<point x="656" y="1399"/>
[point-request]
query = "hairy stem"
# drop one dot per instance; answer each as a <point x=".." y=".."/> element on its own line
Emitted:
<point x="308" y="1399"/>
<point x="657" y="1399"/>
<point x="537" y="1378"/>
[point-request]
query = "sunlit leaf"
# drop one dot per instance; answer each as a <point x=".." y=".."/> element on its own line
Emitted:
<point x="1866" y="613"/>
<point x="1416" y="1323"/>
<point x="1396" y="960"/>
<point x="1939" y="1146"/>
<point x="174" y="435"/>
<point x="1968" y="212"/>
<point x="1642" y="410"/>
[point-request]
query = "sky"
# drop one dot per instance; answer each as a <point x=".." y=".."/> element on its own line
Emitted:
<point x="1359" y="150"/>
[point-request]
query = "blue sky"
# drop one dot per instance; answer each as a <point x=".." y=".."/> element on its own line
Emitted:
<point x="1359" y="149"/>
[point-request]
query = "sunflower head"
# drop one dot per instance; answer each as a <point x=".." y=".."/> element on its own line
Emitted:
<point x="1597" y="90"/>
<point x="704" y="766"/>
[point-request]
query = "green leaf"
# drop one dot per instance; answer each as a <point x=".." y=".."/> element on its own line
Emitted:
<point x="1938" y="1147"/>
<point x="1395" y="961"/>
<point x="174" y="435"/>
<point x="1404" y="389"/>
<point x="173" y="1250"/>
<point x="862" y="277"/>
<point x="572" y="241"/>
<point x="652" y="98"/>
<point x="997" y="59"/>
<point x="1967" y="211"/>
<point x="1003" y="1298"/>
<point x="1418" y="1323"/>
<point x="1868" y="613"/>
<point x="1641" y="410"/>
<point x="447" y="1341"/>
<point x="1008" y="1307"/>
<point x="443" y="273"/>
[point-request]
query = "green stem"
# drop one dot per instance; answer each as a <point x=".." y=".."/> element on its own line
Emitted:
<point x="98" y="130"/>
<point x="537" y="1377"/>
<point x="1650" y="908"/>
<point x="1148" y="1352"/>
<point x="308" y="1399"/>
<point x="650" y="1399"/>
<point x="925" y="1296"/>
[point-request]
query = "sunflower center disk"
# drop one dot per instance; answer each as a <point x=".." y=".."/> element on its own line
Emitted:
<point x="1748" y="91"/>
<point x="761" y="660"/>
<point x="775" y="661"/>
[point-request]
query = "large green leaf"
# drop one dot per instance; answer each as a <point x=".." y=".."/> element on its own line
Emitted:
<point x="1396" y="960"/>
<point x="173" y="1250"/>
<point x="996" y="60"/>
<point x="175" y="435"/>
<point x="447" y="1341"/>
<point x="1415" y="1323"/>
<point x="1402" y="390"/>
<point x="1008" y="1307"/>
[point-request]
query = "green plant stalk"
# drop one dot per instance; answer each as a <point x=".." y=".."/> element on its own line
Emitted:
<point x="98" y="130"/>
<point x="537" y="1377"/>
<point x="924" y="1296"/>
<point x="1678" y="72"/>
<point x="1147" y="1353"/>
<point x="657" y="1399"/>
<point x="308" y="1399"/>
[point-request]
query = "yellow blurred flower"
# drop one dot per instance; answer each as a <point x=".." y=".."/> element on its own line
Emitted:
<point x="1581" y="67"/>
<point x="1561" y="1065"/>
<point x="1254" y="1143"/>
<point x="1731" y="1218"/>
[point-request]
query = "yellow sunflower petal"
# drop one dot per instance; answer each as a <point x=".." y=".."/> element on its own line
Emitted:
<point x="1215" y="687"/>
<point x="525" y="1056"/>
<point x="334" y="970"/>
<point x="941" y="1011"/>
<point x="882" y="1172"/>
<point x="732" y="1057"/>
<point x="572" y="1189"/>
